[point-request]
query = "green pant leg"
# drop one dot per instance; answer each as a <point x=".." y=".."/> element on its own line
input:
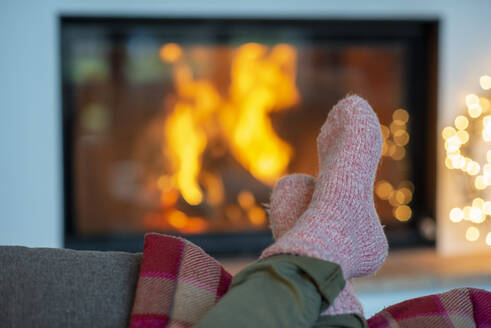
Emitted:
<point x="280" y="291"/>
<point x="341" y="321"/>
<point x="329" y="289"/>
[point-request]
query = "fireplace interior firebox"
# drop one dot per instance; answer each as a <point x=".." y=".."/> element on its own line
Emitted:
<point x="182" y="126"/>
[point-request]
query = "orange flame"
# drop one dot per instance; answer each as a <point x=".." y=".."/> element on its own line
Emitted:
<point x="186" y="142"/>
<point x="262" y="82"/>
<point x="170" y="52"/>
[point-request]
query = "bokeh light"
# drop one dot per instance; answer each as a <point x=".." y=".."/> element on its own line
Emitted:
<point x="472" y="234"/>
<point x="469" y="133"/>
<point x="485" y="82"/>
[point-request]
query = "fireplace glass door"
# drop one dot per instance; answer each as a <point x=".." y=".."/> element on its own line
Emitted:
<point x="184" y="126"/>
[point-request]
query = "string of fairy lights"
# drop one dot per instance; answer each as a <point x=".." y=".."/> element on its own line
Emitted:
<point x="461" y="139"/>
<point x="396" y="137"/>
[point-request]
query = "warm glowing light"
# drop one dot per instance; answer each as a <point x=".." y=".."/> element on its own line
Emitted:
<point x="383" y="189"/>
<point x="471" y="100"/>
<point x="469" y="163"/>
<point x="407" y="194"/>
<point x="448" y="132"/>
<point x="400" y="115"/>
<point x="165" y="183"/>
<point x="385" y="131"/>
<point x="486" y="135"/>
<point x="472" y="234"/>
<point x="473" y="106"/>
<point x="262" y="81"/>
<point x="394" y="201"/>
<point x="461" y="122"/>
<point x="480" y="210"/>
<point x="463" y="136"/>
<point x="487" y="208"/>
<point x="401" y="138"/>
<point x="177" y="219"/>
<point x="407" y="184"/>
<point x="186" y="142"/>
<point x="399" y="153"/>
<point x="391" y="148"/>
<point x="169" y="198"/>
<point x="475" y="215"/>
<point x="184" y="132"/>
<point x="479" y="183"/>
<point x="402" y="213"/>
<point x="261" y="84"/>
<point x="385" y="149"/>
<point x="488" y="239"/>
<point x="396" y="126"/>
<point x="400" y="197"/>
<point x="195" y="225"/>
<point x="455" y="160"/>
<point x="456" y="215"/>
<point x="394" y="147"/>
<point x="478" y="202"/>
<point x="214" y="189"/>
<point x="485" y="104"/>
<point x="475" y="111"/>
<point x="257" y="216"/>
<point x="246" y="199"/>
<point x="473" y="168"/>
<point x="452" y="144"/>
<point x="448" y="163"/>
<point x="485" y="82"/>
<point x="170" y="52"/>
<point x="459" y="161"/>
<point x="486" y="132"/>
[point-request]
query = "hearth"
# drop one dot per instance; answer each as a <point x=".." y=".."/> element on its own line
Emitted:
<point x="182" y="126"/>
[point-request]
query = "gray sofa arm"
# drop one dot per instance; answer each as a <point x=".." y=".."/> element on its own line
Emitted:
<point x="43" y="287"/>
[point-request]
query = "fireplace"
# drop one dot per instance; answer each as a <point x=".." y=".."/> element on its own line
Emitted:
<point x="182" y="126"/>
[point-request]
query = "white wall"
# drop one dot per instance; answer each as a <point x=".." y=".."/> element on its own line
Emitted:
<point x="30" y="146"/>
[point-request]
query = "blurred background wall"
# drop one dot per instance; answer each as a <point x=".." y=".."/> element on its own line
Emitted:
<point x="30" y="113"/>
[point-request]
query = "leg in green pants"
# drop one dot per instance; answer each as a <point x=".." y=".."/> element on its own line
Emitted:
<point x="282" y="291"/>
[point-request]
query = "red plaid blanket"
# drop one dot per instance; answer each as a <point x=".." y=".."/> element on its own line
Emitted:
<point x="461" y="307"/>
<point x="178" y="283"/>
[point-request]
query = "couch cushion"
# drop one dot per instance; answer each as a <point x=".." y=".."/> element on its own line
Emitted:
<point x="45" y="287"/>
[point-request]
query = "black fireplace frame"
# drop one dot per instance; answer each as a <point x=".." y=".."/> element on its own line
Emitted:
<point x="421" y="38"/>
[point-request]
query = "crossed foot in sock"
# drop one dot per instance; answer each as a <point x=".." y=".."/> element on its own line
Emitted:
<point x="334" y="219"/>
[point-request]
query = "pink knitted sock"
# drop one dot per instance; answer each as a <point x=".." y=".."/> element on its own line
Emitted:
<point x="290" y="198"/>
<point x="340" y="224"/>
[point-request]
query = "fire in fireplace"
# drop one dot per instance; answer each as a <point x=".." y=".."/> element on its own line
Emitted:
<point x="183" y="126"/>
<point x="205" y="132"/>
